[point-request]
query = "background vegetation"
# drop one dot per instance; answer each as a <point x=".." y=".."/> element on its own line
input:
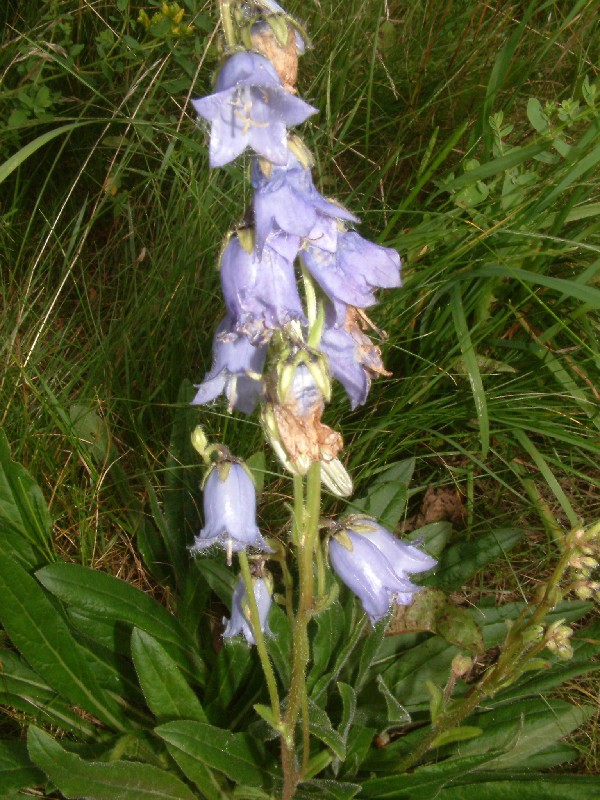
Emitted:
<point x="465" y="134"/>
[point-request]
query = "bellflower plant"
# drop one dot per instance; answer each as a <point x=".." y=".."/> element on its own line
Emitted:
<point x="295" y="281"/>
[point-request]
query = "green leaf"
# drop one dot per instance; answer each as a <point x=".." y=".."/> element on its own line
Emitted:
<point x="460" y="734"/>
<point x="25" y="522"/>
<point x="107" y="597"/>
<point x="100" y="780"/>
<point x="38" y="630"/>
<point x="470" y="360"/>
<point x="321" y="727"/>
<point x="93" y="432"/>
<point x="22" y="688"/>
<point x="532" y="787"/>
<point x="396" y="713"/>
<point x="320" y="789"/>
<point x="257" y="464"/>
<point x="432" y="611"/>
<point x="524" y="729"/>
<point x="233" y="668"/>
<point x="425" y="783"/>
<point x="387" y="494"/>
<point x="330" y="628"/>
<point x="167" y="693"/>
<point x="236" y="755"/>
<point x="433" y="536"/>
<point x="460" y="561"/>
<point x="280" y="644"/>
<point x="11" y="164"/>
<point x="16" y="769"/>
<point x="536" y="115"/>
<point x="348" y="696"/>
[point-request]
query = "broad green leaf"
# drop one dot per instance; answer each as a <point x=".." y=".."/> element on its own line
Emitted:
<point x="39" y="631"/>
<point x="536" y="115"/>
<point x="280" y="644"/>
<point x="396" y="713"/>
<point x="16" y="769"/>
<point x="93" y="432"/>
<point x="232" y="670"/>
<point x="532" y="787"/>
<point x="524" y="729"/>
<point x="101" y="780"/>
<point x="257" y="464"/>
<point x="167" y="693"/>
<point x="348" y="696"/>
<point x="107" y="597"/>
<point x="236" y="755"/>
<point x="330" y="628"/>
<point x="320" y="789"/>
<point x="22" y="688"/>
<point x="432" y="611"/>
<point x="433" y="536"/>
<point x="462" y="560"/>
<point x="25" y="522"/>
<point x="358" y="744"/>
<point x="425" y="783"/>
<point x="321" y="727"/>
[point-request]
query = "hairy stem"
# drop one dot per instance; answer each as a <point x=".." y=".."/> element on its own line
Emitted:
<point x="258" y="636"/>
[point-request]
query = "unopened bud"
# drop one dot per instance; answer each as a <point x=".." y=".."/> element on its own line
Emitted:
<point x="461" y="665"/>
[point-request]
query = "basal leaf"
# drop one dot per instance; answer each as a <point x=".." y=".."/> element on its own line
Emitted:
<point x="107" y="597"/>
<point x="387" y="494"/>
<point x="40" y="632"/>
<point x="16" y="769"/>
<point x="321" y="727"/>
<point x="167" y="693"/>
<point x="234" y="754"/>
<point x="102" y="780"/>
<point x="462" y="560"/>
<point x="24" y="518"/>
<point x="321" y="789"/>
<point x="532" y="787"/>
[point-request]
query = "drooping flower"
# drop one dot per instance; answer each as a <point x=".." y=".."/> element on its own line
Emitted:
<point x="287" y="202"/>
<point x="240" y="621"/>
<point x="250" y="108"/>
<point x="261" y="294"/>
<point x="236" y="371"/>
<point x="353" y="358"/>
<point x="375" y="565"/>
<point x="229" y="511"/>
<point x="350" y="275"/>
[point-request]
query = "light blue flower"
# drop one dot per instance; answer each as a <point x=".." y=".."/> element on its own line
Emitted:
<point x="236" y="371"/>
<point x="250" y="108"/>
<point x="240" y="610"/>
<point x="286" y="201"/>
<point x="351" y="274"/>
<point x="260" y="293"/>
<point x="377" y="566"/>
<point x="229" y="511"/>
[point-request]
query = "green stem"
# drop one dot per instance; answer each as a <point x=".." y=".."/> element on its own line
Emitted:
<point x="517" y="652"/>
<point x="227" y="22"/>
<point x="297" y="698"/>
<point x="258" y="635"/>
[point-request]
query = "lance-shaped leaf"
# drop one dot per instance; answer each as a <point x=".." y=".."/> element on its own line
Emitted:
<point x="110" y="598"/>
<point x="16" y="769"/>
<point x="24" y="519"/>
<point x="101" y="780"/>
<point x="195" y="746"/>
<point x="39" y="631"/>
<point x="167" y="693"/>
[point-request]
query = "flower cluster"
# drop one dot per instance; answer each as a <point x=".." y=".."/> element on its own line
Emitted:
<point x="273" y="349"/>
